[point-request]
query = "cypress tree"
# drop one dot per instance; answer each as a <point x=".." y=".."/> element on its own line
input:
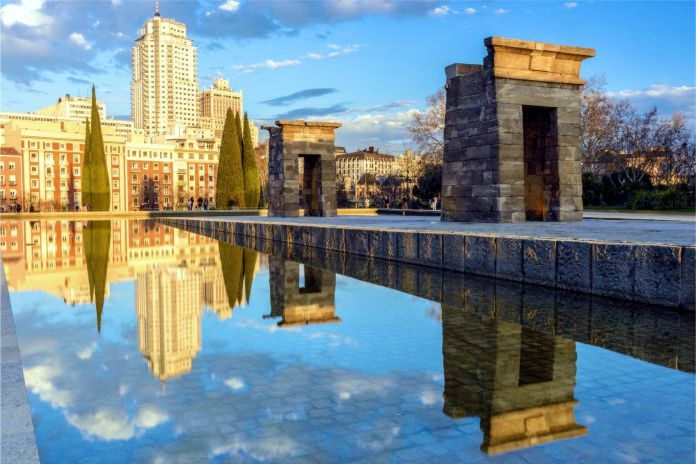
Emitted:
<point x="252" y="185"/>
<point x="86" y="177"/>
<point x="97" y="241"/>
<point x="99" y="175"/>
<point x="231" y="259"/>
<point x="250" y="258"/>
<point x="230" y="179"/>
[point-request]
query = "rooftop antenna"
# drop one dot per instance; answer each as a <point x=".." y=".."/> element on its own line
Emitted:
<point x="157" y="8"/>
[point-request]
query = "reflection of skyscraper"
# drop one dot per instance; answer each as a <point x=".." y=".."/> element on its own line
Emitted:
<point x="168" y="308"/>
<point x="518" y="381"/>
<point x="301" y="303"/>
<point x="213" y="293"/>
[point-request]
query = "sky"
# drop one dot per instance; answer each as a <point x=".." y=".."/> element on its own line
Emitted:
<point x="366" y="63"/>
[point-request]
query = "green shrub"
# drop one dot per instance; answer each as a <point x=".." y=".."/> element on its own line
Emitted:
<point x="643" y="199"/>
<point x="672" y="198"/>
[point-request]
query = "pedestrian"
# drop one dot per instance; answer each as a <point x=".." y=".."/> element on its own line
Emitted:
<point x="190" y="204"/>
<point x="205" y="204"/>
<point x="200" y="203"/>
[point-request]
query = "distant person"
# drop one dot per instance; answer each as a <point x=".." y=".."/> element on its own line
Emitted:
<point x="205" y="204"/>
<point x="190" y="204"/>
<point x="200" y="203"/>
<point x="434" y="204"/>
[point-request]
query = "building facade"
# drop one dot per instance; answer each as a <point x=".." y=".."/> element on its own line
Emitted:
<point x="214" y="102"/>
<point x="73" y="108"/>
<point x="165" y="77"/>
<point x="368" y="161"/>
<point x="11" y="179"/>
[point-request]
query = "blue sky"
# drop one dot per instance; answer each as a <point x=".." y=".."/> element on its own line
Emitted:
<point x="364" y="63"/>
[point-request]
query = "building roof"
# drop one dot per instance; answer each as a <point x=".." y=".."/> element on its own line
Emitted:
<point x="370" y="152"/>
<point x="9" y="151"/>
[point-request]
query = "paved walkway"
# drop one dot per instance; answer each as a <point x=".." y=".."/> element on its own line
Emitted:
<point x="631" y="228"/>
<point x="17" y="440"/>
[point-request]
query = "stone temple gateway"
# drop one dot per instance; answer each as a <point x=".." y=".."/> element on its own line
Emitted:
<point x="512" y="130"/>
<point x="313" y="141"/>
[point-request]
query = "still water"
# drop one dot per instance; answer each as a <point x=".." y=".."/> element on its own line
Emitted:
<point x="146" y="343"/>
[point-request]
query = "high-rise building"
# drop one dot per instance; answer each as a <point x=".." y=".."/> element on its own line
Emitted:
<point x="214" y="102"/>
<point x="165" y="77"/>
<point x="169" y="319"/>
<point x="73" y="108"/>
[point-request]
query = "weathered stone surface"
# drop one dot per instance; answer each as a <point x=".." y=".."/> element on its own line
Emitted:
<point x="335" y="239"/>
<point x="430" y="249"/>
<point x="539" y="261"/>
<point x="407" y="246"/>
<point x="479" y="255"/>
<point x="508" y="259"/>
<point x="383" y="244"/>
<point x="573" y="265"/>
<point x="357" y="241"/>
<point x="512" y="135"/>
<point x="657" y="274"/>
<point x="612" y="269"/>
<point x="688" y="278"/>
<point x="453" y="251"/>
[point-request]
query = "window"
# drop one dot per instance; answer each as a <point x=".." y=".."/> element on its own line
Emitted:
<point x="11" y="165"/>
<point x="76" y="159"/>
<point x="76" y="171"/>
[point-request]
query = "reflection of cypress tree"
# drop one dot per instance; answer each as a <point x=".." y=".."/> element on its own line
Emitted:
<point x="238" y="265"/>
<point x="97" y="241"/>
<point x="231" y="260"/>
<point x="250" y="257"/>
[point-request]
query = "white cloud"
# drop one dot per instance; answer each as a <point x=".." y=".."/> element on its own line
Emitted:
<point x="107" y="424"/>
<point x="39" y="379"/>
<point x="501" y="11"/>
<point x="79" y="40"/>
<point x="338" y="50"/>
<point x="229" y="5"/>
<point x="116" y="2"/>
<point x="86" y="352"/>
<point x="262" y="449"/>
<point x="570" y="4"/>
<point x="26" y="13"/>
<point x="443" y="10"/>
<point x="659" y="90"/>
<point x="268" y="64"/>
<point x="470" y="11"/>
<point x="235" y="383"/>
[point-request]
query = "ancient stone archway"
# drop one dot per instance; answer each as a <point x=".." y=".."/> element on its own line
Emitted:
<point x="313" y="142"/>
<point x="512" y="130"/>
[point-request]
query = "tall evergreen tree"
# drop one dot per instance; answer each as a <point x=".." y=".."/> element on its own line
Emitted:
<point x="97" y="242"/>
<point x="229" y="186"/>
<point x="99" y="173"/>
<point x="86" y="171"/>
<point x="252" y="184"/>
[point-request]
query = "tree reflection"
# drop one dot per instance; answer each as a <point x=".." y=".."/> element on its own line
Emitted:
<point x="97" y="241"/>
<point x="238" y="265"/>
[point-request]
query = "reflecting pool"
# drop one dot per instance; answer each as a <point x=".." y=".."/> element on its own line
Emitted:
<point x="146" y="343"/>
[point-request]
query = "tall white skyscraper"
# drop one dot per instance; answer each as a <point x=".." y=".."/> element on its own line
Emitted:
<point x="165" y="77"/>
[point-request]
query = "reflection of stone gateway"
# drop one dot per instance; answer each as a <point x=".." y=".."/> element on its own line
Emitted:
<point x="314" y="142"/>
<point x="512" y="131"/>
<point x="518" y="381"/>
<point x="311" y="303"/>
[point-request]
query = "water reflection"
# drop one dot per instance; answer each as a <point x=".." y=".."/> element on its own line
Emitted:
<point x="518" y="381"/>
<point x="97" y="242"/>
<point x="301" y="298"/>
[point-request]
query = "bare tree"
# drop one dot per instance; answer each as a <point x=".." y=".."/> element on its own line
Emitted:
<point x="677" y="158"/>
<point x="601" y="118"/>
<point x="427" y="127"/>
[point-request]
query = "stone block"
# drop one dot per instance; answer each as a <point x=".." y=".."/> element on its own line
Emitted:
<point x="430" y="284"/>
<point x="357" y="241"/>
<point x="657" y="274"/>
<point x="453" y="252"/>
<point x="612" y="269"/>
<point x="539" y="261"/>
<point x="688" y="278"/>
<point x="479" y="255"/>
<point x="508" y="258"/>
<point x="407" y="247"/>
<point x="430" y="249"/>
<point x="335" y="239"/>
<point x="573" y="270"/>
<point x="383" y="244"/>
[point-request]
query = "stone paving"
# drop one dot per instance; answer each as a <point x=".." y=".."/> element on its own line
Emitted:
<point x="18" y="444"/>
<point x="666" y="232"/>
